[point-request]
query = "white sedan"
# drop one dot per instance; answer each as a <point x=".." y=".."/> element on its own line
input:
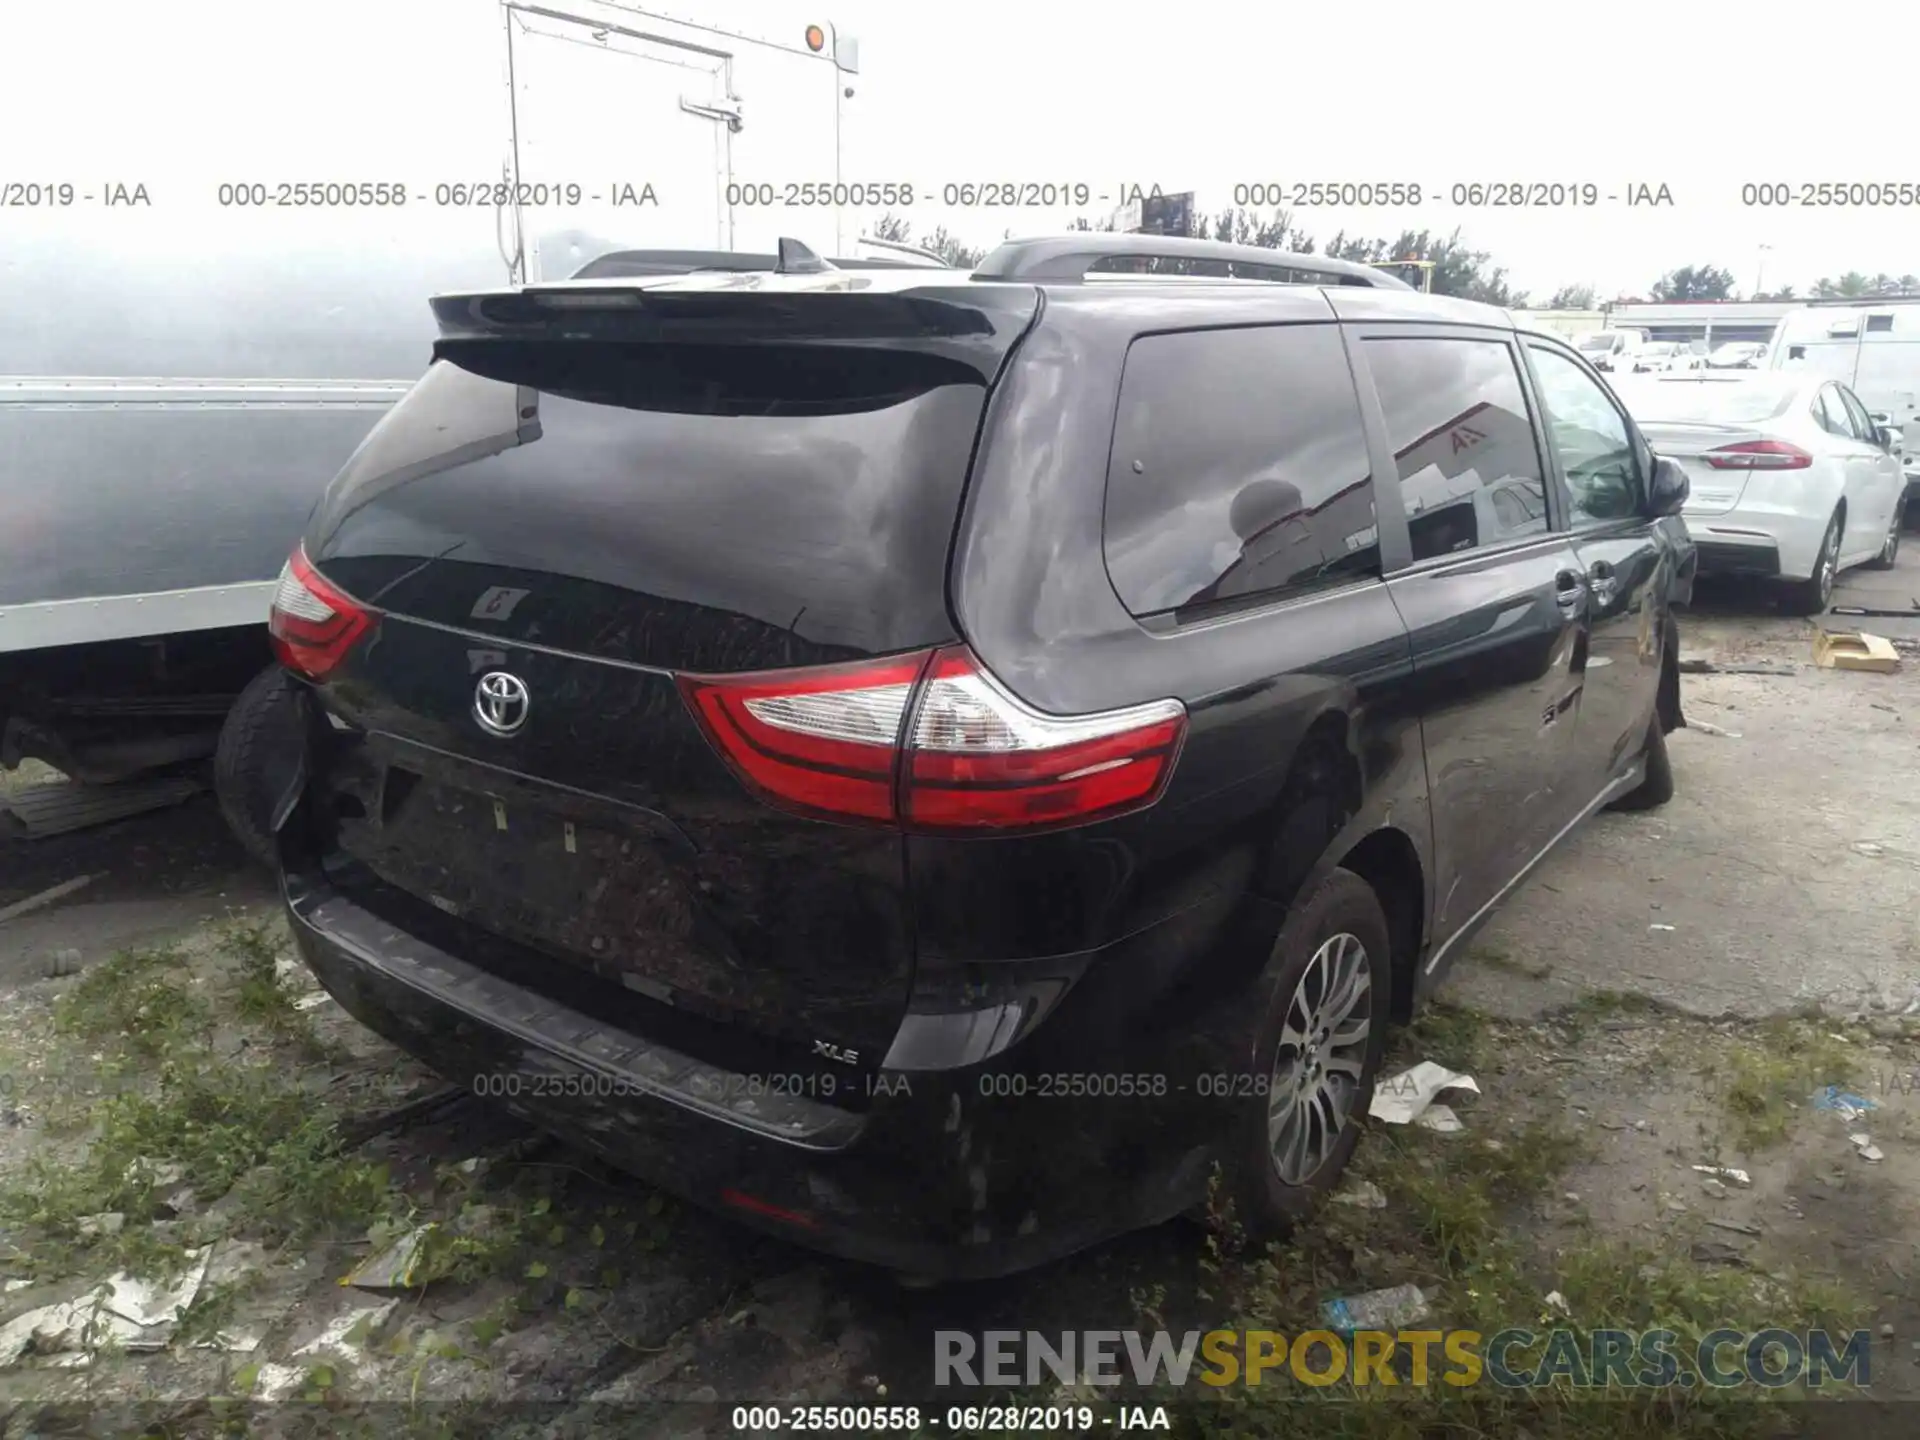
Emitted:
<point x="1789" y="477"/>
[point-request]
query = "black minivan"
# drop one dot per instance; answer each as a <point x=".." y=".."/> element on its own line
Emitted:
<point x="939" y="766"/>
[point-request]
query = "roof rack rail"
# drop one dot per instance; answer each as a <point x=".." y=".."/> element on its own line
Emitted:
<point x="632" y="264"/>
<point x="1069" y="258"/>
<point x="936" y="259"/>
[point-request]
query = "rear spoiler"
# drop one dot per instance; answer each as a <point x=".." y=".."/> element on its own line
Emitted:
<point x="973" y="326"/>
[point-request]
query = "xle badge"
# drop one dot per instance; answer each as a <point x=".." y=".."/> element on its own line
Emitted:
<point x="835" y="1052"/>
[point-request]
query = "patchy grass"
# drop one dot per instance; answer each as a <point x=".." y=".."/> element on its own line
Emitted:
<point x="1449" y="1035"/>
<point x="1768" y="1074"/>
<point x="202" y="1081"/>
<point x="1461" y="1222"/>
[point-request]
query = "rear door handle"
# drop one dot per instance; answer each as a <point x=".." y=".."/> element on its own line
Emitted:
<point x="1569" y="591"/>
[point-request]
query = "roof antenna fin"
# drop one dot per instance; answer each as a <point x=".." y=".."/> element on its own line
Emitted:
<point x="797" y="259"/>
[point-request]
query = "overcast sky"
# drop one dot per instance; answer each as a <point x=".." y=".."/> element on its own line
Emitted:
<point x="1699" y="94"/>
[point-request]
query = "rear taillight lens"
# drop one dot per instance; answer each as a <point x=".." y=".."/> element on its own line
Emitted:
<point x="1759" y="455"/>
<point x="313" y="624"/>
<point x="825" y="739"/>
<point x="980" y="759"/>
<point x="932" y="742"/>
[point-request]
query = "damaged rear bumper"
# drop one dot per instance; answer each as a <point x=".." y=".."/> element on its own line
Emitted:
<point x="944" y="1175"/>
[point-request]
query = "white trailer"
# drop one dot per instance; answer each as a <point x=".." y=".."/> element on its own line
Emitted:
<point x="220" y="224"/>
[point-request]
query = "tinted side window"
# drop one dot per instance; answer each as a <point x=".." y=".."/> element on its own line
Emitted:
<point x="1239" y="469"/>
<point x="1591" y="438"/>
<point x="1457" y="418"/>
<point x="1857" y="415"/>
<point x="1831" y="414"/>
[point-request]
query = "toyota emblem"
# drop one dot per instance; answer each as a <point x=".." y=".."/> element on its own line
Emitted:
<point x="501" y="702"/>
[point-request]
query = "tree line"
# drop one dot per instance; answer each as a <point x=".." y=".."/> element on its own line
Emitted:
<point x="1458" y="268"/>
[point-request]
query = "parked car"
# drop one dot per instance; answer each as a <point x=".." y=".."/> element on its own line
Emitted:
<point x="873" y="757"/>
<point x="1873" y="348"/>
<point x="1740" y="355"/>
<point x="1790" y="479"/>
<point x="1661" y="357"/>
<point x="1611" y="349"/>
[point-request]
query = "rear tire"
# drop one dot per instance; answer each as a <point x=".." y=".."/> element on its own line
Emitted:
<point x="1890" y="547"/>
<point x="1328" y="992"/>
<point x="1813" y="595"/>
<point x="265" y="708"/>
<point x="1657" y="787"/>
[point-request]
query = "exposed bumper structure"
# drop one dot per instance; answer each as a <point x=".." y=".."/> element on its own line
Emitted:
<point x="943" y="1175"/>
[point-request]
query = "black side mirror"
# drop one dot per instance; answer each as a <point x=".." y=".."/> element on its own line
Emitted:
<point x="1670" y="488"/>
<point x="1887" y="436"/>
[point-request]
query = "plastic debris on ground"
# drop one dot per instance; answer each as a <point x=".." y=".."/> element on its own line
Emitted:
<point x="1706" y="728"/>
<point x="1659" y="927"/>
<point x="1844" y="1101"/>
<point x="1557" y="1301"/>
<point x="122" y="1311"/>
<point x="1407" y="1098"/>
<point x="1864" y="1147"/>
<point x="1364" y="1194"/>
<point x="399" y="1266"/>
<point x="1393" y="1309"/>
<point x="1726" y="1172"/>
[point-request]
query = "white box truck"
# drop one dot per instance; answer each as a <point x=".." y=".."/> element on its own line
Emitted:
<point x="220" y="226"/>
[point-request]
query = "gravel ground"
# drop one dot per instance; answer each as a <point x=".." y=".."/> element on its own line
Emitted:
<point x="1783" y="877"/>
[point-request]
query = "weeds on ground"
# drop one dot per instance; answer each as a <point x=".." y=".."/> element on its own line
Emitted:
<point x="1453" y="1225"/>
<point x="1768" y="1074"/>
<point x="199" y="1084"/>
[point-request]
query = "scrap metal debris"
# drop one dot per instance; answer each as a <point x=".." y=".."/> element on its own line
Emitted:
<point x="1707" y="728"/>
<point x="45" y="897"/>
<point x="1708" y="667"/>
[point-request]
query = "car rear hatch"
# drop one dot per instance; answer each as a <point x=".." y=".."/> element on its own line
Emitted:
<point x="595" y="492"/>
<point x="1713" y="488"/>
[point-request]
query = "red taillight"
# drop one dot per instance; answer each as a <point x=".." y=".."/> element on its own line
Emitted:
<point x="829" y="741"/>
<point x="313" y="624"/>
<point x="1759" y="455"/>
<point x="824" y="739"/>
<point x="980" y="759"/>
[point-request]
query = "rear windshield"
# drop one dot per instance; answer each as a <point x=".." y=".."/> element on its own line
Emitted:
<point x="811" y="493"/>
<point x="1707" y="402"/>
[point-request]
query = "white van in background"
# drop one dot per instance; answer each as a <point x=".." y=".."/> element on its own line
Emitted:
<point x="1873" y="348"/>
<point x="1611" y="349"/>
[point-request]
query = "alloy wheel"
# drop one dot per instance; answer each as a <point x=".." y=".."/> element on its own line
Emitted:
<point x="1829" y="561"/>
<point x="1321" y="1059"/>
